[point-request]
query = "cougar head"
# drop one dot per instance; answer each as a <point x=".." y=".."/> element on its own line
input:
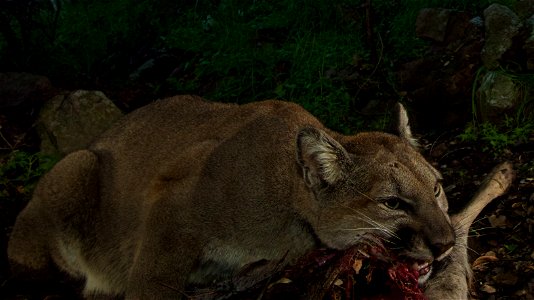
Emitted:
<point x="376" y="189"/>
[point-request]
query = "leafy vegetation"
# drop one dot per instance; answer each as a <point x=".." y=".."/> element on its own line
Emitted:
<point x="19" y="172"/>
<point x="322" y="54"/>
<point x="498" y="137"/>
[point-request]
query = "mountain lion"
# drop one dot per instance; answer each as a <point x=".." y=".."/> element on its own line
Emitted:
<point x="186" y="192"/>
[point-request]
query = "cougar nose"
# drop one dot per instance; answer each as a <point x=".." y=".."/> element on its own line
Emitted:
<point x="440" y="250"/>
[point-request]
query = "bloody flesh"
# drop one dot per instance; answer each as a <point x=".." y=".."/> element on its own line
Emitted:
<point x="393" y="278"/>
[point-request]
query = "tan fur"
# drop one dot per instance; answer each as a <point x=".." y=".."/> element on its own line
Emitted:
<point x="184" y="191"/>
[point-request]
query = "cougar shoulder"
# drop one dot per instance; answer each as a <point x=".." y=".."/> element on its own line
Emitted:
<point x="185" y="191"/>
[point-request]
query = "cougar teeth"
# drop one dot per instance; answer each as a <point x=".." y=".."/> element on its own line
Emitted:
<point x="421" y="267"/>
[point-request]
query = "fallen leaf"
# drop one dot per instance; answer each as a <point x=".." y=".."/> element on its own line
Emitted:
<point x="479" y="263"/>
<point x="488" y="289"/>
<point x="497" y="221"/>
<point x="284" y="280"/>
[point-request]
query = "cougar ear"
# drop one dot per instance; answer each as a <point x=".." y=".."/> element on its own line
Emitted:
<point x="322" y="159"/>
<point x="403" y="126"/>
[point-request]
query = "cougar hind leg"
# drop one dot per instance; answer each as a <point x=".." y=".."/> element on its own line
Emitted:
<point x="47" y="229"/>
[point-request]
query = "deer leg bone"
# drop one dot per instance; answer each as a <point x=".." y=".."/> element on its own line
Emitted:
<point x="495" y="185"/>
<point x="452" y="277"/>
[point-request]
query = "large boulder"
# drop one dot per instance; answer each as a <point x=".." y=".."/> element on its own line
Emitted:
<point x="528" y="47"/>
<point x="432" y="23"/>
<point x="501" y="26"/>
<point x="70" y="122"/>
<point x="22" y="89"/>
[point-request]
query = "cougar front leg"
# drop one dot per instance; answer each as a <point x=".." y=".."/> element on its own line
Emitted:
<point x="452" y="278"/>
<point x="62" y="205"/>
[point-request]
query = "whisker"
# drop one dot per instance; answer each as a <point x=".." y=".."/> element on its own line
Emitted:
<point x="363" y="237"/>
<point x="365" y="195"/>
<point x="480" y="219"/>
<point x="363" y="228"/>
<point x="479" y="235"/>
<point x="372" y="222"/>
<point x="461" y="223"/>
<point x="483" y="228"/>
<point x="472" y="250"/>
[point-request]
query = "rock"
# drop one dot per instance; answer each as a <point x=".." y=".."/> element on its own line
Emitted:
<point x="446" y="27"/>
<point x="498" y="94"/>
<point x="477" y="22"/>
<point x="524" y="8"/>
<point x="21" y="97"/>
<point x="528" y="46"/>
<point x="432" y="23"/>
<point x="461" y="80"/>
<point x="69" y="122"/>
<point x="501" y="26"/>
<point x="464" y="35"/>
<point x="20" y="88"/>
<point x="529" y="51"/>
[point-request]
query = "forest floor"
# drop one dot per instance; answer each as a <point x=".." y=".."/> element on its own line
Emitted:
<point x="501" y="239"/>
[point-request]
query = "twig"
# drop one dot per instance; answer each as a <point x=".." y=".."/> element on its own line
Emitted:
<point x="5" y="140"/>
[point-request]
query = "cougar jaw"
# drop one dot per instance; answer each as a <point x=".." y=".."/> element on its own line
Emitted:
<point x="425" y="268"/>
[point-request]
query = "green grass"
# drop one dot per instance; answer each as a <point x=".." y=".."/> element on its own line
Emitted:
<point x="271" y="50"/>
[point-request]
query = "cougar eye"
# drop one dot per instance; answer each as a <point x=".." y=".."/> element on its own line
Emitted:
<point x="392" y="203"/>
<point x="437" y="190"/>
